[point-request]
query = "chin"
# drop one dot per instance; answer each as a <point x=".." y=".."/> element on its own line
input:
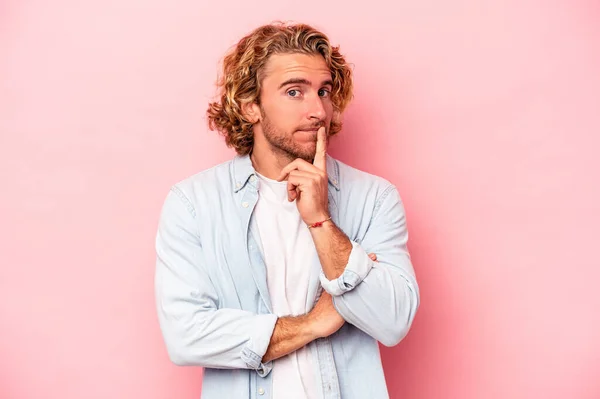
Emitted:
<point x="307" y="151"/>
<point x="308" y="156"/>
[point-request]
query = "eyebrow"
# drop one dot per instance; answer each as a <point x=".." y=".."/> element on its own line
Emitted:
<point x="303" y="81"/>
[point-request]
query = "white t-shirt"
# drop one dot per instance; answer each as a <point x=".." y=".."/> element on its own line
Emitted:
<point x="287" y="248"/>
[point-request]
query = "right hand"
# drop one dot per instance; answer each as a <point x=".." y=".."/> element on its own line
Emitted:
<point x="325" y="320"/>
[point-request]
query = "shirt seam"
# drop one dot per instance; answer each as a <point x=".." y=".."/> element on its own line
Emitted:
<point x="185" y="200"/>
<point x="382" y="198"/>
<point x="189" y="206"/>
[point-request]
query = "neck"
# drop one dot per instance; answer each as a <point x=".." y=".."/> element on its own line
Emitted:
<point x="266" y="161"/>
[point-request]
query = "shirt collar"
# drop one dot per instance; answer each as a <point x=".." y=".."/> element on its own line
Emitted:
<point x="242" y="170"/>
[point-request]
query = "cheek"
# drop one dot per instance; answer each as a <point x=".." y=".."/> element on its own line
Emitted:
<point x="290" y="113"/>
<point x="328" y="105"/>
<point x="284" y="117"/>
<point x="330" y="111"/>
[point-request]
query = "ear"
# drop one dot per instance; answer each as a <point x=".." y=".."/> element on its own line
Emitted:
<point x="251" y="111"/>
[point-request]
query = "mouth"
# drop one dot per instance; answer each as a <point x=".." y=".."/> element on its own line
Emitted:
<point x="307" y="135"/>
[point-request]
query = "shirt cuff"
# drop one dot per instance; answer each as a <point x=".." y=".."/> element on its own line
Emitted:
<point x="256" y="348"/>
<point x="358" y="266"/>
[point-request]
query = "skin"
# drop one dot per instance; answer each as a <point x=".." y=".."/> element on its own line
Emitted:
<point x="291" y="130"/>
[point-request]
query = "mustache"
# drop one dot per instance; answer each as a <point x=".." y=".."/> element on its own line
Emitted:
<point x="312" y="127"/>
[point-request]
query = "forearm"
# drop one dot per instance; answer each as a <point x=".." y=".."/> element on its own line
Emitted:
<point x="383" y="305"/>
<point x="333" y="247"/>
<point x="380" y="298"/>
<point x="289" y="335"/>
<point x="224" y="338"/>
<point x="377" y="298"/>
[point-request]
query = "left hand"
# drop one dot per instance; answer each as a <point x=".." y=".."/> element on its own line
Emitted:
<point x="308" y="183"/>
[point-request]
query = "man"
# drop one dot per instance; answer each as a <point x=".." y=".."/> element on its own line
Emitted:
<point x="278" y="271"/>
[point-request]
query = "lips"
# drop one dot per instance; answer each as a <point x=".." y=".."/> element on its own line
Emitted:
<point x="308" y="135"/>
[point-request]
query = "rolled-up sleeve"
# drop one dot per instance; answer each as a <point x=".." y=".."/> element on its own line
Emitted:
<point x="381" y="298"/>
<point x="358" y="267"/>
<point x="196" y="332"/>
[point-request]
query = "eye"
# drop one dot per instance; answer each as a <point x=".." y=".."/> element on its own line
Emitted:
<point x="293" y="93"/>
<point x="324" y="93"/>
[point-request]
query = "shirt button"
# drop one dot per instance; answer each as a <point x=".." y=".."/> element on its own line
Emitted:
<point x="245" y="204"/>
<point x="253" y="179"/>
<point x="261" y="391"/>
<point x="238" y="184"/>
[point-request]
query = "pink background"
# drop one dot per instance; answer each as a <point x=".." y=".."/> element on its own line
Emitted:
<point x="486" y="114"/>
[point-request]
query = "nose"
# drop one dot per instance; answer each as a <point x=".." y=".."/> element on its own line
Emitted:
<point x="316" y="110"/>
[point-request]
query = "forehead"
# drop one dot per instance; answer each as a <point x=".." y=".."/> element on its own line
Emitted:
<point x="281" y="67"/>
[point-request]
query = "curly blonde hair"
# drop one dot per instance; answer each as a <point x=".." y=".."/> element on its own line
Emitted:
<point x="241" y="79"/>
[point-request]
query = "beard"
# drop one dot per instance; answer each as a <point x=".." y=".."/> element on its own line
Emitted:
<point x="283" y="142"/>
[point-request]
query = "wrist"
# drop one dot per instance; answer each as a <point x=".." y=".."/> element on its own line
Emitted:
<point x="310" y="326"/>
<point x="318" y="220"/>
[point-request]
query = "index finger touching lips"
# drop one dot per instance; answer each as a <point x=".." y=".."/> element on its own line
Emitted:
<point x="320" y="160"/>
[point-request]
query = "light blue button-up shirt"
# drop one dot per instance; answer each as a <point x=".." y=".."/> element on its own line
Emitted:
<point x="211" y="286"/>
